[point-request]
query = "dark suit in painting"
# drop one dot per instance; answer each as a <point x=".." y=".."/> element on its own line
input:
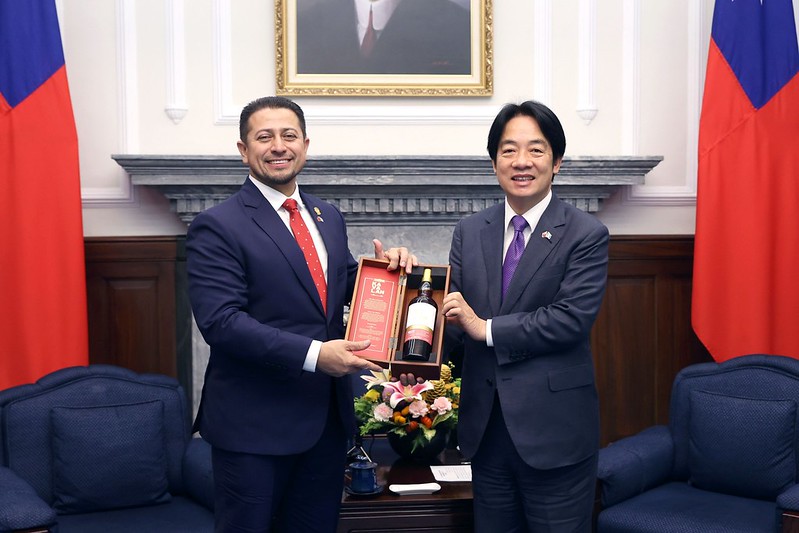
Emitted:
<point x="421" y="37"/>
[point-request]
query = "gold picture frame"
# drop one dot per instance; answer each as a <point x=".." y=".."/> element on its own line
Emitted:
<point x="308" y="62"/>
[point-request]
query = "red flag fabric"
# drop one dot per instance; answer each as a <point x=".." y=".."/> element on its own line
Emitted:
<point x="43" y="319"/>
<point x="746" y="256"/>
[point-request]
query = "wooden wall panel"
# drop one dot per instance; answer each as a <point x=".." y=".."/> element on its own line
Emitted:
<point x="139" y="318"/>
<point x="624" y="344"/>
<point x="131" y="285"/>
<point x="643" y="335"/>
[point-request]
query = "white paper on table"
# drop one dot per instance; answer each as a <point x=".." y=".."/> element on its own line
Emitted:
<point x="452" y="472"/>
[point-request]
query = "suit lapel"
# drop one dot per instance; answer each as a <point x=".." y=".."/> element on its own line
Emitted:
<point x="269" y="221"/>
<point x="491" y="238"/>
<point x="543" y="241"/>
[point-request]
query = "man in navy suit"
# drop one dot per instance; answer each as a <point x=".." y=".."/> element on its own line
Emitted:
<point x="277" y="402"/>
<point x="529" y="416"/>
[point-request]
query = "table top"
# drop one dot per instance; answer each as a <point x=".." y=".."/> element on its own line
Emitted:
<point x="393" y="469"/>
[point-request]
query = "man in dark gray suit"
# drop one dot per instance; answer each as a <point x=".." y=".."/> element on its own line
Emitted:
<point x="529" y="414"/>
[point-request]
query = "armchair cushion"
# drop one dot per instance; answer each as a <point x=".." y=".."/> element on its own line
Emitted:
<point x="21" y="507"/>
<point x="789" y="500"/>
<point x="741" y="446"/>
<point x="635" y="464"/>
<point x="108" y="457"/>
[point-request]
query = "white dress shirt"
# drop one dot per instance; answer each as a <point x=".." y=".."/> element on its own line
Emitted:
<point x="532" y="217"/>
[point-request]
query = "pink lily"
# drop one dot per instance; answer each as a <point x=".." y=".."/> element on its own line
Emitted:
<point x="405" y="392"/>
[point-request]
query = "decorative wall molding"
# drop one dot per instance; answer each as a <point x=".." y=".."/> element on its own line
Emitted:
<point x="676" y="195"/>
<point x="222" y="37"/>
<point x="586" y="51"/>
<point x="390" y="190"/>
<point x="176" y="106"/>
<point x="127" y="76"/>
<point x="127" y="109"/>
<point x="631" y="77"/>
<point x="542" y="51"/>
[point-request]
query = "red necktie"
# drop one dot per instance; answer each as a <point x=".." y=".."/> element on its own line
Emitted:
<point x="303" y="236"/>
<point x="369" y="38"/>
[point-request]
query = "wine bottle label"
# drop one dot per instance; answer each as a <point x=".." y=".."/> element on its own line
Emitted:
<point x="420" y="323"/>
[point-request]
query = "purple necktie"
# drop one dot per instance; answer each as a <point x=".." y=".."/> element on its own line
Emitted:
<point x="515" y="251"/>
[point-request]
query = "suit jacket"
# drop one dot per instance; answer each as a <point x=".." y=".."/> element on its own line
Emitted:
<point x="257" y="307"/>
<point x="421" y="37"/>
<point x="540" y="365"/>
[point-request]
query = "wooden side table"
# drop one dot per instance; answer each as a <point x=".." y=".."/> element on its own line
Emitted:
<point x="448" y="510"/>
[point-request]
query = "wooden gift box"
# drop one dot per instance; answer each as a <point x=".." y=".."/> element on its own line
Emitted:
<point x="378" y="312"/>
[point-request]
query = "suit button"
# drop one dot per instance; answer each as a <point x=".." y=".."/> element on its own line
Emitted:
<point x="490" y="382"/>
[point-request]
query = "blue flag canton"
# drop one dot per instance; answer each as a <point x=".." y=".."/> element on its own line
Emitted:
<point x="30" y="47"/>
<point x="758" y="39"/>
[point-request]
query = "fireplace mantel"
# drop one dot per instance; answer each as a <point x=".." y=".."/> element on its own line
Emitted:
<point x="385" y="190"/>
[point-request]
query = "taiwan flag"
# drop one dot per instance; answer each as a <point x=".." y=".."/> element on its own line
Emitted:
<point x="746" y="257"/>
<point x="43" y="323"/>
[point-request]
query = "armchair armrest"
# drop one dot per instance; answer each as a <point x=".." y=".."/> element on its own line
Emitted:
<point x="789" y="500"/>
<point x="20" y="506"/>
<point x="635" y="464"/>
<point x="198" y="473"/>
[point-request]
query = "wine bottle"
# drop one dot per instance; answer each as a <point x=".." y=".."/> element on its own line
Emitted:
<point x="421" y="322"/>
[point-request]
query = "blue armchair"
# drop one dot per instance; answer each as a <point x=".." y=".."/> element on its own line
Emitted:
<point x="99" y="449"/>
<point x="727" y="461"/>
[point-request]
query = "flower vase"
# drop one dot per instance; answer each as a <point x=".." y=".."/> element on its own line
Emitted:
<point x="403" y="444"/>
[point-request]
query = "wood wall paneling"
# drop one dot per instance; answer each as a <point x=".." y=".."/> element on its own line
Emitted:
<point x="139" y="318"/>
<point x="643" y="335"/>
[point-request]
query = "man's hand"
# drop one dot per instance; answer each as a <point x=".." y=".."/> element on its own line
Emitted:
<point x="397" y="257"/>
<point x="408" y="379"/>
<point x="336" y="358"/>
<point x="460" y="313"/>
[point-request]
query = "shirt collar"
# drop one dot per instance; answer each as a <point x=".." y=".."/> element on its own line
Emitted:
<point x="276" y="198"/>
<point x="381" y="12"/>
<point x="533" y="215"/>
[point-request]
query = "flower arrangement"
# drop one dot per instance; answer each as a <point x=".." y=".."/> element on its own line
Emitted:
<point x="418" y="409"/>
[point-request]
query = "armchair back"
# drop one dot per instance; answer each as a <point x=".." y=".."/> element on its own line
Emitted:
<point x="735" y="425"/>
<point x="43" y="430"/>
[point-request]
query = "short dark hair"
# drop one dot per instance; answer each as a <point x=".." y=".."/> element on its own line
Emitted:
<point x="268" y="102"/>
<point x="544" y="116"/>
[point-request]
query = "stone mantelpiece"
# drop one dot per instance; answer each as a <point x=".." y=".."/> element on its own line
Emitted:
<point x="409" y="201"/>
<point x="388" y="190"/>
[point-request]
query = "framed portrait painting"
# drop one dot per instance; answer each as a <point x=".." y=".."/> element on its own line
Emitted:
<point x="384" y="47"/>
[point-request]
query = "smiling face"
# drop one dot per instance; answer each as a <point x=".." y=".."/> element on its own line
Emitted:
<point x="275" y="148"/>
<point x="524" y="164"/>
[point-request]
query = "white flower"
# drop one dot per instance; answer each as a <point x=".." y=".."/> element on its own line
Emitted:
<point x="442" y="405"/>
<point x="383" y="412"/>
<point x="418" y="408"/>
<point x="377" y="378"/>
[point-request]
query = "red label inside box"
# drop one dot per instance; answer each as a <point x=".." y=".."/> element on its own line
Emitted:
<point x="372" y="316"/>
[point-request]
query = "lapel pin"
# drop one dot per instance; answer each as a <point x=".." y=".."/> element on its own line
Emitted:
<point x="319" y="219"/>
<point x="317" y="211"/>
<point x="546" y="235"/>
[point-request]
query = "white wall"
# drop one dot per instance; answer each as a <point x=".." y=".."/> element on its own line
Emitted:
<point x="638" y="63"/>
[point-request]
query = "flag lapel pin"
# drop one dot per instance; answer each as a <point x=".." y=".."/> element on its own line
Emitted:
<point x="546" y="235"/>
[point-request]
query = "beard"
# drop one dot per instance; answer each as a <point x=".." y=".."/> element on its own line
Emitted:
<point x="272" y="180"/>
